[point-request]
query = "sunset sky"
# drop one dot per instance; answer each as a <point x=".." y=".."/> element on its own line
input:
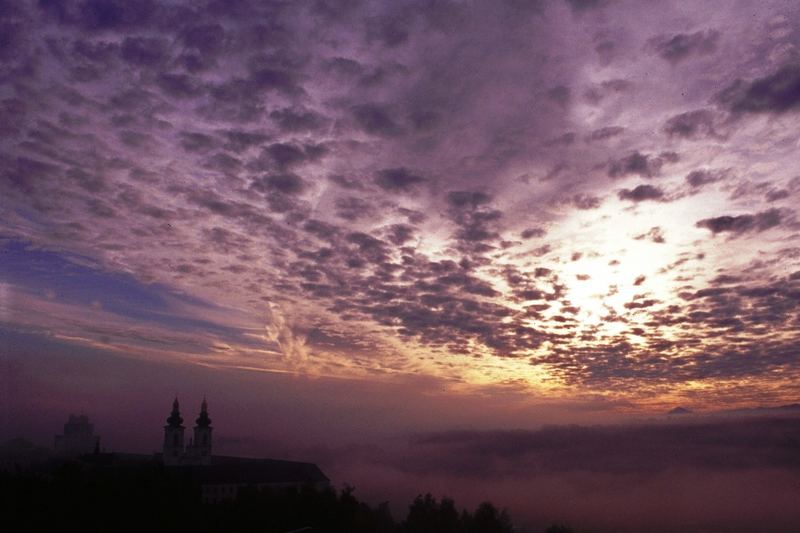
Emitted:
<point x="573" y="208"/>
<point x="564" y="197"/>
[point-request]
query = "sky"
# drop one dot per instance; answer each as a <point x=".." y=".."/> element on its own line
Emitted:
<point x="378" y="218"/>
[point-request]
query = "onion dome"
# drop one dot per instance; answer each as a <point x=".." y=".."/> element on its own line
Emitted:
<point x="175" y="419"/>
<point x="203" y="420"/>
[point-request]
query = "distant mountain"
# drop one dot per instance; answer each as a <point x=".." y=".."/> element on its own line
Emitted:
<point x="789" y="408"/>
<point x="679" y="411"/>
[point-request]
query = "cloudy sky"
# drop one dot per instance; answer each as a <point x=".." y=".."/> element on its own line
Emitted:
<point x="579" y="197"/>
<point x="583" y="197"/>
<point x="462" y="213"/>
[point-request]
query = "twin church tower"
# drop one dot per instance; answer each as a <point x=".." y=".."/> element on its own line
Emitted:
<point x="198" y="452"/>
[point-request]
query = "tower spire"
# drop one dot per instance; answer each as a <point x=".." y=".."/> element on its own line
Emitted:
<point x="203" y="420"/>
<point x="201" y="448"/>
<point x="175" y="420"/>
<point x="173" y="436"/>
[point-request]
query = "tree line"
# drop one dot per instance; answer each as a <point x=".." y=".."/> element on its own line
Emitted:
<point x="147" y="498"/>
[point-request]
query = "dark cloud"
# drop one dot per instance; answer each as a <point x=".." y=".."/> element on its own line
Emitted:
<point x="101" y="15"/>
<point x="701" y="177"/>
<point x="740" y="224"/>
<point x="692" y="125"/>
<point x="585" y="5"/>
<point x="605" y="133"/>
<point x="390" y="31"/>
<point x="277" y="72"/>
<point x="776" y="194"/>
<point x="608" y="88"/>
<point x="353" y="208"/>
<point x="239" y="141"/>
<point x="468" y="199"/>
<point x="346" y="182"/>
<point x="223" y="162"/>
<point x="144" y="51"/>
<point x="562" y="140"/>
<point x="400" y="234"/>
<point x="285" y="155"/>
<point x="641" y="193"/>
<point x="180" y="85"/>
<point x="283" y="183"/>
<point x="344" y="66"/>
<point x="656" y="234"/>
<point x="585" y="201"/>
<point x="298" y="120"/>
<point x="208" y="39"/>
<point x="644" y="165"/>
<point x="776" y="93"/>
<point x="196" y="142"/>
<point x="398" y="179"/>
<point x="531" y="233"/>
<point x="560" y="94"/>
<point x="678" y="47"/>
<point x="321" y="229"/>
<point x="376" y="120"/>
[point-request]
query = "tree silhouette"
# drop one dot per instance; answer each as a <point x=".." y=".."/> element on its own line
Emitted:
<point x="558" y="528"/>
<point x="153" y="498"/>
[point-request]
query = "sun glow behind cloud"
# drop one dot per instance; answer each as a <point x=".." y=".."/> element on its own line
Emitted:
<point x="485" y="194"/>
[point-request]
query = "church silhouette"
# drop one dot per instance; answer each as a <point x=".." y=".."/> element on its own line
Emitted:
<point x="198" y="452"/>
<point x="220" y="477"/>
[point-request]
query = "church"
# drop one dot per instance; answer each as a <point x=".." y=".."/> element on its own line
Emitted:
<point x="220" y="477"/>
<point x="198" y="452"/>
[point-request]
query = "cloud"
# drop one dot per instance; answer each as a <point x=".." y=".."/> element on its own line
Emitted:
<point x="376" y="119"/>
<point x="467" y="199"/>
<point x="417" y="178"/>
<point x="560" y="94"/>
<point x="680" y="46"/>
<point x="585" y="201"/>
<point x="180" y="85"/>
<point x="641" y="193"/>
<point x="585" y="5"/>
<point x="645" y="448"/>
<point x="144" y="51"/>
<point x="639" y="164"/>
<point x="353" y="208"/>
<point x="284" y="183"/>
<point x="740" y="224"/>
<point x="656" y="235"/>
<point x="291" y="344"/>
<point x="700" y="177"/>
<point x="605" y="133"/>
<point x="692" y="125"/>
<point x="285" y="155"/>
<point x="530" y="233"/>
<point x="776" y="93"/>
<point x="398" y="179"/>
<point x="298" y="120"/>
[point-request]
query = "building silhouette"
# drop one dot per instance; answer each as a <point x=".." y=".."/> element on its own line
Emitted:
<point x="198" y="452"/>
<point x="221" y="477"/>
<point x="78" y="438"/>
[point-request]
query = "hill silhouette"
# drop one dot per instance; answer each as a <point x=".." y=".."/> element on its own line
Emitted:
<point x="74" y="493"/>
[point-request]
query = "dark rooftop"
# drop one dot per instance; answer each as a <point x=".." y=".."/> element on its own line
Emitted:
<point x="241" y="470"/>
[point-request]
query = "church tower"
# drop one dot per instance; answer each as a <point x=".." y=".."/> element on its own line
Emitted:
<point x="173" y="436"/>
<point x="202" y="436"/>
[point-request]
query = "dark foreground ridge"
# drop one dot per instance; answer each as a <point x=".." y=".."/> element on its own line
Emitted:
<point x="132" y="496"/>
